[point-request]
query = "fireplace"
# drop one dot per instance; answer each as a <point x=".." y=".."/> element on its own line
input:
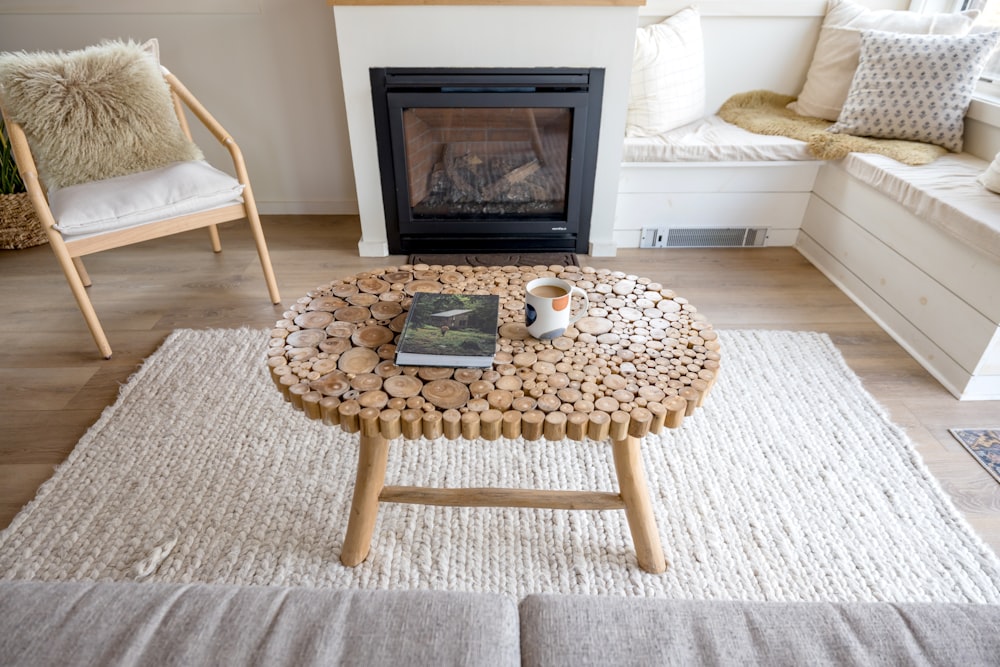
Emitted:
<point x="478" y="159"/>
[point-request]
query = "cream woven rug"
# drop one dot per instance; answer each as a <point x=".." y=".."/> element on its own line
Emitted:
<point x="790" y="484"/>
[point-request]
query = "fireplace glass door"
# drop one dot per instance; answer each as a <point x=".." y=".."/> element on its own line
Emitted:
<point x="486" y="163"/>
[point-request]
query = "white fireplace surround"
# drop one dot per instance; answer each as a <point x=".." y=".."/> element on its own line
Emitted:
<point x="484" y="36"/>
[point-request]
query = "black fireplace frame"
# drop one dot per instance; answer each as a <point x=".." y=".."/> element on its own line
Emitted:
<point x="578" y="89"/>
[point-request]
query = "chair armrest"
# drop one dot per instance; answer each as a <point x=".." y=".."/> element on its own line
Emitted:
<point x="209" y="121"/>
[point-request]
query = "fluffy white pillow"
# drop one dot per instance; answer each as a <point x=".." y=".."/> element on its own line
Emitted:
<point x="668" y="75"/>
<point x="990" y="179"/>
<point x="147" y="196"/>
<point x="915" y="87"/>
<point x="836" y="56"/>
<point x="91" y="114"/>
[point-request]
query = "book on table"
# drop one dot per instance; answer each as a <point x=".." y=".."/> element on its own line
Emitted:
<point x="458" y="330"/>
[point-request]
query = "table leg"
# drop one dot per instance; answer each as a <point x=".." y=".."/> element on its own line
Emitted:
<point x="638" y="508"/>
<point x="372" y="458"/>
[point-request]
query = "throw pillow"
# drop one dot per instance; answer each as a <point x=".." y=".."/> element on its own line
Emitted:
<point x="836" y="56"/>
<point x="92" y="114"/>
<point x="990" y="179"/>
<point x="667" y="88"/>
<point x="915" y="87"/>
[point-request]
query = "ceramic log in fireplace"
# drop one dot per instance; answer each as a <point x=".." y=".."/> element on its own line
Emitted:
<point x="475" y="159"/>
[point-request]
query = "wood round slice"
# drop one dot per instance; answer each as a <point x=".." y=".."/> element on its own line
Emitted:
<point x="592" y="325"/>
<point x="398" y="322"/>
<point x="428" y="373"/>
<point x="344" y="291"/>
<point x="362" y="299"/>
<point x="402" y="386"/>
<point x="327" y="303"/>
<point x="513" y="331"/>
<point x="398" y="277"/>
<point x="387" y="368"/>
<point x="352" y="314"/>
<point x="372" y="336"/>
<point x="314" y="319"/>
<point x="373" y="285"/>
<point x="446" y="394"/>
<point x="366" y="382"/>
<point x="358" y="360"/>
<point x="468" y="375"/>
<point x="385" y="310"/>
<point x="335" y="345"/>
<point x="306" y="338"/>
<point x="415" y="286"/>
<point x="331" y="384"/>
<point x="341" y="329"/>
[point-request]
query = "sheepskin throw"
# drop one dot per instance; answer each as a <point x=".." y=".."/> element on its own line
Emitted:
<point x="764" y="112"/>
<point x="92" y="114"/>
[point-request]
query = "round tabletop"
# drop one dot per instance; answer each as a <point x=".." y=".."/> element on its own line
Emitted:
<point x="641" y="359"/>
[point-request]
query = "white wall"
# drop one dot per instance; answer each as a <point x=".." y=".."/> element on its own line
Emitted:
<point x="267" y="69"/>
<point x="270" y="71"/>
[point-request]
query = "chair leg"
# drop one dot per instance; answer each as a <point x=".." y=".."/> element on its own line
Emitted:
<point x="213" y="233"/>
<point x="82" y="272"/>
<point x="75" y="276"/>
<point x="258" y="237"/>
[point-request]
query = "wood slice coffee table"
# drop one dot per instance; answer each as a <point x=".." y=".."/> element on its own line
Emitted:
<point x="641" y="360"/>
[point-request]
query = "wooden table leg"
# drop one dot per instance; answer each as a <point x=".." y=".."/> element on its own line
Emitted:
<point x="638" y="508"/>
<point x="372" y="458"/>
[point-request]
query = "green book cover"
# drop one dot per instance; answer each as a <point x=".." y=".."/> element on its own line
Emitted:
<point x="457" y="330"/>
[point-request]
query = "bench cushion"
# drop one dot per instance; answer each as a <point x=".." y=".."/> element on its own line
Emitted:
<point x="712" y="139"/>
<point x="590" y="630"/>
<point x="945" y="193"/>
<point x="200" y="624"/>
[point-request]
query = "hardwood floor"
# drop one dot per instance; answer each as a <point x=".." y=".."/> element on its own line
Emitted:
<point x="54" y="385"/>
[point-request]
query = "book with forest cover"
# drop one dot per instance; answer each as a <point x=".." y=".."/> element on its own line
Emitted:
<point x="458" y="330"/>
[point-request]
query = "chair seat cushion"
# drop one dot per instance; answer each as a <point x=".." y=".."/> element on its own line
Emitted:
<point x="177" y="189"/>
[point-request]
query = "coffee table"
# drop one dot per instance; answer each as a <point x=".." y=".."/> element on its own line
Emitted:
<point x="641" y="360"/>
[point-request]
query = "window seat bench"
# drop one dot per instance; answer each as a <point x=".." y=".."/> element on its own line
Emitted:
<point x="699" y="182"/>
<point x="919" y="249"/>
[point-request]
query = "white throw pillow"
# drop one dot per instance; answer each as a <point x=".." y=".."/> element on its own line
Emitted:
<point x="147" y="196"/>
<point x="836" y="56"/>
<point x="990" y="179"/>
<point x="914" y="87"/>
<point x="668" y="75"/>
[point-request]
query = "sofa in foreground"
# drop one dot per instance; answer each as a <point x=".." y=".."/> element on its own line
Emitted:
<point x="199" y="624"/>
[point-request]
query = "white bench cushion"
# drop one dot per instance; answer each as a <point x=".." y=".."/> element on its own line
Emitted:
<point x="944" y="192"/>
<point x="126" y="201"/>
<point x="712" y="139"/>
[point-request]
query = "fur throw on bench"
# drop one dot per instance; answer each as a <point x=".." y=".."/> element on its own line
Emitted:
<point x="764" y="112"/>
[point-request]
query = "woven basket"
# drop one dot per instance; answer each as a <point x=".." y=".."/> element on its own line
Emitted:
<point x="19" y="226"/>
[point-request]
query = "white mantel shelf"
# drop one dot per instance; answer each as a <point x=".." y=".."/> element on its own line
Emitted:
<point x="535" y="3"/>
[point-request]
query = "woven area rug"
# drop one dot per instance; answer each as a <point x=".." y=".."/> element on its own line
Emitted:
<point x="790" y="484"/>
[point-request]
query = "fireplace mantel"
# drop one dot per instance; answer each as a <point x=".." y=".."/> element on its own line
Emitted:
<point x="538" y="3"/>
<point x="484" y="34"/>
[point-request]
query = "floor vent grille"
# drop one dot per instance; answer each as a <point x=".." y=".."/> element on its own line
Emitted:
<point x="703" y="237"/>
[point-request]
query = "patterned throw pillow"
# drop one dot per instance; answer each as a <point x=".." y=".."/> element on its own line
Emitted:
<point x="836" y="55"/>
<point x="667" y="89"/>
<point x="915" y="87"/>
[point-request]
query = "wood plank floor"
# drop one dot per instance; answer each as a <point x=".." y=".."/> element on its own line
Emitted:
<point x="54" y="385"/>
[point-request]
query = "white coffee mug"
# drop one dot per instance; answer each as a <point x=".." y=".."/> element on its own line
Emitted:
<point x="547" y="307"/>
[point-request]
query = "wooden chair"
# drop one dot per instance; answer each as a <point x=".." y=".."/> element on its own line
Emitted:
<point x="70" y="248"/>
